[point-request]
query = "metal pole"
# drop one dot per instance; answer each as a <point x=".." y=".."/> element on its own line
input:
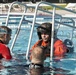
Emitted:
<point x="52" y="35"/>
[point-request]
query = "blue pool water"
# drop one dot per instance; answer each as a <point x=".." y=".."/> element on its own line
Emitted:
<point x="18" y="66"/>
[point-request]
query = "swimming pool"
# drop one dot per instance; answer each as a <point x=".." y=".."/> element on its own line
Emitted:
<point x="18" y="66"/>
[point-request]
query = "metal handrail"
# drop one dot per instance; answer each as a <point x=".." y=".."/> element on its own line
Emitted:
<point x="9" y="11"/>
<point x="20" y="23"/>
<point x="34" y="21"/>
<point x="37" y="7"/>
<point x="31" y="33"/>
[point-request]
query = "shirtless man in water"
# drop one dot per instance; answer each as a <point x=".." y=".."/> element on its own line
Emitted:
<point x="38" y="56"/>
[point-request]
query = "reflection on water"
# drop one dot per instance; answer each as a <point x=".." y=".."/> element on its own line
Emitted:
<point x="14" y="67"/>
<point x="17" y="70"/>
<point x="20" y="66"/>
<point x="24" y="70"/>
<point x="36" y="71"/>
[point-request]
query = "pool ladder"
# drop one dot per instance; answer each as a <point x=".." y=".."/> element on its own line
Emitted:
<point x="34" y="14"/>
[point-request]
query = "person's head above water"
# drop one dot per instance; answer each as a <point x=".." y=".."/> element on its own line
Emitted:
<point x="44" y="28"/>
<point x="5" y="34"/>
<point x="38" y="55"/>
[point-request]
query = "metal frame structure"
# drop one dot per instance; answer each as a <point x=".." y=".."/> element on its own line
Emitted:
<point x="36" y="8"/>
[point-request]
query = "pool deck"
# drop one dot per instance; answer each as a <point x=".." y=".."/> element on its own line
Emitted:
<point x="4" y="9"/>
<point x="62" y="12"/>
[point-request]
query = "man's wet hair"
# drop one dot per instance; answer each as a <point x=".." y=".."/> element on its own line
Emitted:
<point x="5" y="30"/>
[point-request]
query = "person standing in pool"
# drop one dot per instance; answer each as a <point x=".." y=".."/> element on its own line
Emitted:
<point x="38" y="55"/>
<point x="44" y="33"/>
<point x="5" y="37"/>
<point x="37" y="63"/>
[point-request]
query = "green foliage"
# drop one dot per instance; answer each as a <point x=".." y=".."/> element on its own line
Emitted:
<point x="50" y="7"/>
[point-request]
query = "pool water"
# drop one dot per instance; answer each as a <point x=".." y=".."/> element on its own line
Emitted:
<point x="19" y="65"/>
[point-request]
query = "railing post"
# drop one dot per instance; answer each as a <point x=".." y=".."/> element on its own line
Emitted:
<point x="52" y="34"/>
